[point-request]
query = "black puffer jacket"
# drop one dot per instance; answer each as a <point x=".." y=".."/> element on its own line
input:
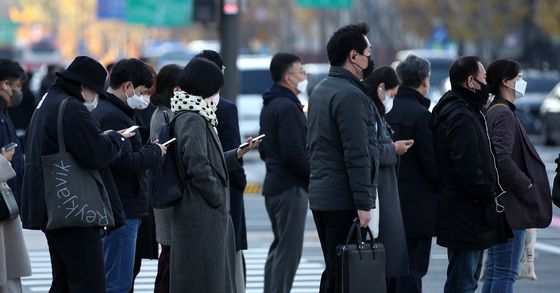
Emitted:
<point x="467" y="209"/>
<point x="342" y="167"/>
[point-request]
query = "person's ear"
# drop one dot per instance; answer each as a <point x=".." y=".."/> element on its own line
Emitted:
<point x="177" y="89"/>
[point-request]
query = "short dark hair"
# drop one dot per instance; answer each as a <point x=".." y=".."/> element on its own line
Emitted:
<point x="166" y="81"/>
<point x="201" y="77"/>
<point x="280" y="64"/>
<point x="344" y="40"/>
<point x="501" y="69"/>
<point x="134" y="70"/>
<point x="10" y="70"/>
<point x="413" y="71"/>
<point x="212" y="56"/>
<point x="462" y="68"/>
<point x="385" y="75"/>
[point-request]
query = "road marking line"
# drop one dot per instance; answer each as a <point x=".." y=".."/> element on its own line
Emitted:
<point x="547" y="248"/>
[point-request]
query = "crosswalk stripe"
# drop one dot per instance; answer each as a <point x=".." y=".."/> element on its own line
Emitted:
<point x="306" y="280"/>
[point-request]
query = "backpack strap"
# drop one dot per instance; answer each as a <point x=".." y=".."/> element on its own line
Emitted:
<point x="499" y="104"/>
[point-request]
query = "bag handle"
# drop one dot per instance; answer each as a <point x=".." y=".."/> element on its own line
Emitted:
<point x="59" y="130"/>
<point x="360" y="244"/>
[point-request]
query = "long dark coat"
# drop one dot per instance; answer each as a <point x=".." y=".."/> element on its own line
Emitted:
<point x="519" y="166"/>
<point x="203" y="254"/>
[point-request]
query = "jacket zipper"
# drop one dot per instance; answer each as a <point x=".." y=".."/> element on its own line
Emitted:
<point x="499" y="208"/>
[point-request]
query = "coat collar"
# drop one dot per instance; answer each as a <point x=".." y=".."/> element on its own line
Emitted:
<point x="412" y="94"/>
<point x="120" y="105"/>
<point x="339" y="72"/>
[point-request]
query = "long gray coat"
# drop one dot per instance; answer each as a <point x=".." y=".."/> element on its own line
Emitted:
<point x="203" y="250"/>
<point x="391" y="226"/>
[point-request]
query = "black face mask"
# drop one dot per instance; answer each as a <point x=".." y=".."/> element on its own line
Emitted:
<point x="369" y="69"/>
<point x="483" y="92"/>
<point x="366" y="72"/>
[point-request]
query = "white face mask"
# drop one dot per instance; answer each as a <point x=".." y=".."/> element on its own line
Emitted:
<point x="520" y="87"/>
<point x="388" y="103"/>
<point x="137" y="102"/>
<point x="91" y="105"/>
<point x="215" y="99"/>
<point x="302" y="86"/>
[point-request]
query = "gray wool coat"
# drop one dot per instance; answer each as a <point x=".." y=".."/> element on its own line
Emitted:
<point x="203" y="250"/>
<point x="391" y="225"/>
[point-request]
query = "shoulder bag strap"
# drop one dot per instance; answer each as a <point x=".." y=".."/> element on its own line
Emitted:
<point x="59" y="129"/>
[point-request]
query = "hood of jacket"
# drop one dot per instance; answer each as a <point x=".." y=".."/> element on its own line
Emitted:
<point x="457" y="98"/>
<point x="279" y="91"/>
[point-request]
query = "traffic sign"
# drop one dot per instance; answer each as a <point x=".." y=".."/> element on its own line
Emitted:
<point x="325" y="3"/>
<point x="167" y="13"/>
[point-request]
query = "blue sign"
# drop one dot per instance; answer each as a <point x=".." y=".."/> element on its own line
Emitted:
<point x="111" y="9"/>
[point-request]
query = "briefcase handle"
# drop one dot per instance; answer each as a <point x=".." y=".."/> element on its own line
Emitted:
<point x="360" y="244"/>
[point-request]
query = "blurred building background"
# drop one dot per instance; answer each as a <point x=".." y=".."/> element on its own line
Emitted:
<point x="527" y="30"/>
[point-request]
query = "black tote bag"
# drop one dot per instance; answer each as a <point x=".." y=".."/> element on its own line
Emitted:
<point x="75" y="196"/>
<point x="360" y="266"/>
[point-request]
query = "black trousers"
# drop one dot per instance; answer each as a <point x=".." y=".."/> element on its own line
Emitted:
<point x="77" y="260"/>
<point x="162" y="277"/>
<point x="332" y="227"/>
<point x="418" y="262"/>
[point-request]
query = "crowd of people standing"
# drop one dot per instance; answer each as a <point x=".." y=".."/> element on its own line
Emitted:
<point x="465" y="172"/>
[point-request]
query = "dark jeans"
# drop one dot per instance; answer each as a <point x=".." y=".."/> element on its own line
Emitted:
<point x="76" y="260"/>
<point x="332" y="227"/>
<point x="162" y="277"/>
<point x="418" y="262"/>
<point x="463" y="270"/>
<point x="503" y="264"/>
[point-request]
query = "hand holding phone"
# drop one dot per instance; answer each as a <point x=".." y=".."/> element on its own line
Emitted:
<point x="169" y="141"/>
<point x="130" y="129"/>
<point x="256" y="139"/>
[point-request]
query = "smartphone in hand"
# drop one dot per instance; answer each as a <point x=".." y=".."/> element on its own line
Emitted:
<point x="169" y="141"/>
<point x="260" y="137"/>
<point x="131" y="129"/>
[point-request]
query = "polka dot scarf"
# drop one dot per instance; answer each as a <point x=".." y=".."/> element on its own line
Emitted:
<point x="182" y="101"/>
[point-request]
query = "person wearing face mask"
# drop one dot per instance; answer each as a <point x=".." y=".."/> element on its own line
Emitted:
<point x="527" y="201"/>
<point x="382" y="85"/>
<point x="11" y="78"/>
<point x="285" y="187"/>
<point x="417" y="178"/>
<point x="228" y="132"/>
<point x="470" y="214"/>
<point x="341" y="143"/>
<point x="130" y="79"/>
<point x="76" y="253"/>
<point x="203" y="247"/>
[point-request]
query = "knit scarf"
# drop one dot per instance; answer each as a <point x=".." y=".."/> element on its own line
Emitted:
<point x="182" y="101"/>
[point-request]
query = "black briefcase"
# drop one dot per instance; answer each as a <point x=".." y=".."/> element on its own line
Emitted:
<point x="360" y="266"/>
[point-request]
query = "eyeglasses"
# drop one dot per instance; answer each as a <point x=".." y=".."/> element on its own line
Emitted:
<point x="303" y="72"/>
